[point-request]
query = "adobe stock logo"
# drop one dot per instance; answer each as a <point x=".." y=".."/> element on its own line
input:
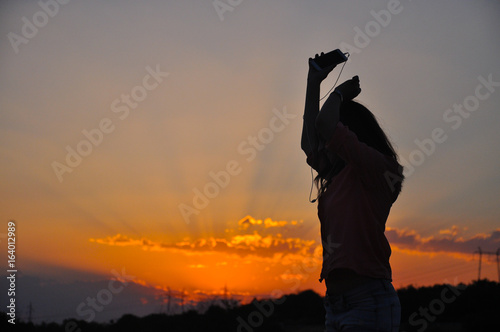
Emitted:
<point x="249" y="147"/>
<point x="257" y="317"/>
<point x="225" y="6"/>
<point x="40" y="19"/>
<point x="373" y="28"/>
<point x="264" y="309"/>
<point x="454" y="116"/>
<point x="89" y="308"/>
<point x="95" y="136"/>
<point x="437" y="306"/>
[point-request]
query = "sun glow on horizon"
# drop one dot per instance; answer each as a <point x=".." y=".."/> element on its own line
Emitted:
<point x="260" y="256"/>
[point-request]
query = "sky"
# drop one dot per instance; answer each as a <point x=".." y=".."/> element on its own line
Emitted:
<point x="151" y="148"/>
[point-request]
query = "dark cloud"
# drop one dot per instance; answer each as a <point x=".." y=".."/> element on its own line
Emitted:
<point x="54" y="301"/>
<point x="448" y="241"/>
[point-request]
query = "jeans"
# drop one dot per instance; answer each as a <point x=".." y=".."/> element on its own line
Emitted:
<point x="373" y="306"/>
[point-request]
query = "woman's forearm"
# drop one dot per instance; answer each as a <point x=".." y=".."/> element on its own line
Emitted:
<point x="327" y="119"/>
<point x="309" y="139"/>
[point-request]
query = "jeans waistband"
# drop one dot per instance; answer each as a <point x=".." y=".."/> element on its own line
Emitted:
<point x="362" y="290"/>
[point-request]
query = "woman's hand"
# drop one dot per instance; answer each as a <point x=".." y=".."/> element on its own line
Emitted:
<point x="349" y="89"/>
<point x="317" y="76"/>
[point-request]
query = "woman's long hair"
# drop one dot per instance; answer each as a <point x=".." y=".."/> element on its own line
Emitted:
<point x="364" y="124"/>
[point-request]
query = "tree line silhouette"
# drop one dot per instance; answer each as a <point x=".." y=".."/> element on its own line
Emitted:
<point x="438" y="308"/>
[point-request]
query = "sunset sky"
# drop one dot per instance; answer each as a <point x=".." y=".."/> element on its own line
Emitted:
<point x="161" y="140"/>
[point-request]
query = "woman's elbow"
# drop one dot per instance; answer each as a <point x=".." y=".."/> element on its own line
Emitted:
<point x="305" y="148"/>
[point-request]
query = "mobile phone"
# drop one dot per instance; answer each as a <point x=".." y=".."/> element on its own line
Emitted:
<point x="325" y="60"/>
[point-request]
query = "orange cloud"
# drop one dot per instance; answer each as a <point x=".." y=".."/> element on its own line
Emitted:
<point x="197" y="266"/>
<point x="250" y="236"/>
<point x="249" y="221"/>
<point x="264" y="239"/>
<point x="246" y="244"/>
<point x="123" y="241"/>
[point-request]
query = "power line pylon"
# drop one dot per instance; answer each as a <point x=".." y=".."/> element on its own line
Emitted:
<point x="489" y="253"/>
<point x="30" y="312"/>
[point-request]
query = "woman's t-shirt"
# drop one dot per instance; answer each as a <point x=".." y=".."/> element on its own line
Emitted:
<point x="354" y="208"/>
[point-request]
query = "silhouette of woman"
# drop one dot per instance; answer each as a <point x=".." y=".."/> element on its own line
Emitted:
<point x="359" y="178"/>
